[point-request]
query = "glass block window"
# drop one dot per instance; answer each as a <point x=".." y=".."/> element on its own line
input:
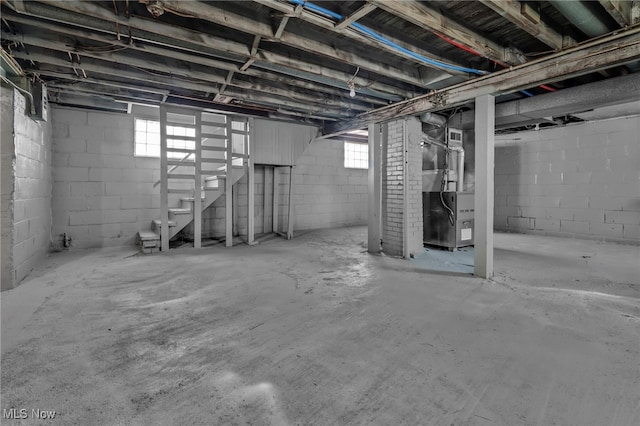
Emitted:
<point x="356" y="155"/>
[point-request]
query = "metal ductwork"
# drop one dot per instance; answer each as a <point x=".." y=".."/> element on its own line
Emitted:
<point x="433" y="119"/>
<point x="579" y="14"/>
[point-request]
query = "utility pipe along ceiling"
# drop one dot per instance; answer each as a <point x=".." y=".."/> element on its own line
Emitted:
<point x="334" y="64"/>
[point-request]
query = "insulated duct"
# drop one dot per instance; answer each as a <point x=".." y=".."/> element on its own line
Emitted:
<point x="578" y="13"/>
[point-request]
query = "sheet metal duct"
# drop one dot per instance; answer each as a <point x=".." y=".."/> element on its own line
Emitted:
<point x="581" y="16"/>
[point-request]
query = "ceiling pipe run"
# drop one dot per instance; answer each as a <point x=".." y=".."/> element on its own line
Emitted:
<point x="579" y="15"/>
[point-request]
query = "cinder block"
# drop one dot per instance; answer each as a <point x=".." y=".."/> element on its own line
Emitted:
<point x="557" y="213"/>
<point x="574" y="202"/>
<point x="71" y="174"/>
<point x="546" y="224"/>
<point x="103" y="202"/>
<point x="574" y="227"/>
<point x="67" y="115"/>
<point x="603" y="201"/>
<point x="107" y="119"/>
<point x="60" y="204"/>
<point x="624" y="217"/>
<point x="631" y="232"/>
<point x="70" y="145"/>
<point x="519" y="222"/>
<point x="546" y="201"/>
<point x="79" y="131"/>
<point x="589" y="215"/>
<point x="87" y="189"/>
<point x="610" y="230"/>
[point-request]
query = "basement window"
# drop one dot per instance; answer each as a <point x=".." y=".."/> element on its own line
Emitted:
<point x="356" y="155"/>
<point x="147" y="139"/>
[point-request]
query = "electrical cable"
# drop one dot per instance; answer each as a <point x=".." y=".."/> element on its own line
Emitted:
<point x="384" y="40"/>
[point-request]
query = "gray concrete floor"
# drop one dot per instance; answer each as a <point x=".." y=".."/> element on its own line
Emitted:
<point x="315" y="331"/>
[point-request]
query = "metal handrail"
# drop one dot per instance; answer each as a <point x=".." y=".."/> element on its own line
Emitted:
<point x="174" y="167"/>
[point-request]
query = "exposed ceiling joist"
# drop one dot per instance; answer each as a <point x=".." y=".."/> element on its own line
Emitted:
<point x="328" y="24"/>
<point x="361" y="12"/>
<point x="601" y="53"/>
<point x="620" y="10"/>
<point x="162" y="34"/>
<point x="160" y="65"/>
<point x="422" y="16"/>
<point x="211" y="13"/>
<point x="525" y="17"/>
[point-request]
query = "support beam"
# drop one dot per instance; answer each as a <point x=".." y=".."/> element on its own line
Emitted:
<point x="525" y="17"/>
<point x="197" y="189"/>
<point x="592" y="56"/>
<point x="281" y="26"/>
<point x="228" y="187"/>
<point x="427" y="18"/>
<point x="620" y="10"/>
<point x="276" y="208"/>
<point x="483" y="199"/>
<point x="290" y="213"/>
<point x="164" y="183"/>
<point x="251" y="185"/>
<point x="375" y="189"/>
<point x="361" y="12"/>
<point x="614" y="91"/>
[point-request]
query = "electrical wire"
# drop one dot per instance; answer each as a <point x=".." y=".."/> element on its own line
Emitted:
<point x="384" y="40"/>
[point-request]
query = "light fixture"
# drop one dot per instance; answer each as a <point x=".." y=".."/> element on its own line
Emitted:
<point x="351" y="85"/>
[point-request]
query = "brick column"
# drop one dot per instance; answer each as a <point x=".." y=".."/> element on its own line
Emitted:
<point x="402" y="187"/>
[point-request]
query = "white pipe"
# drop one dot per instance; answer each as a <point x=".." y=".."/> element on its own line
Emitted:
<point x="461" y="170"/>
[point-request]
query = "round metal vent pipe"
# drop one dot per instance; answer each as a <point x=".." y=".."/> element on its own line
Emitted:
<point x="579" y="15"/>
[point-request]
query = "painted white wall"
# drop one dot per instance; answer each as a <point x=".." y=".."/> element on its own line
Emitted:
<point x="580" y="180"/>
<point x="26" y="189"/>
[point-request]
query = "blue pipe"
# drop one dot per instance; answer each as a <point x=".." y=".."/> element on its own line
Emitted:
<point x="386" y="41"/>
<point x="390" y="43"/>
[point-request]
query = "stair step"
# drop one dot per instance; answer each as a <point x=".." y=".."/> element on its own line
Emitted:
<point x="148" y="236"/>
<point x="179" y="211"/>
<point x="157" y="224"/>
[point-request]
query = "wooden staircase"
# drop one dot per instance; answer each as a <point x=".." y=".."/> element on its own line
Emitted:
<point x="202" y="155"/>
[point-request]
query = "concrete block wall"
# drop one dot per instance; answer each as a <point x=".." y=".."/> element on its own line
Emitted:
<point x="325" y="193"/>
<point x="102" y="194"/>
<point x="397" y="163"/>
<point x="580" y="180"/>
<point x="7" y="182"/>
<point x="27" y="157"/>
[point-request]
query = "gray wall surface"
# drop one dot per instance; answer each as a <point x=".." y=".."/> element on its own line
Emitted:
<point x="26" y="194"/>
<point x="581" y="180"/>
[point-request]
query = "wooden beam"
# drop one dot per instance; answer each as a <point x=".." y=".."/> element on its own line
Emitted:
<point x="525" y="17"/>
<point x="412" y="75"/>
<point x="361" y="12"/>
<point x="161" y="34"/>
<point x="599" y="54"/>
<point x="281" y="26"/>
<point x="620" y="10"/>
<point x="218" y="16"/>
<point x="427" y="18"/>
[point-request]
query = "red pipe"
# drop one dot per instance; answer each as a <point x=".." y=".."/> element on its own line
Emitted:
<point x="474" y="52"/>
